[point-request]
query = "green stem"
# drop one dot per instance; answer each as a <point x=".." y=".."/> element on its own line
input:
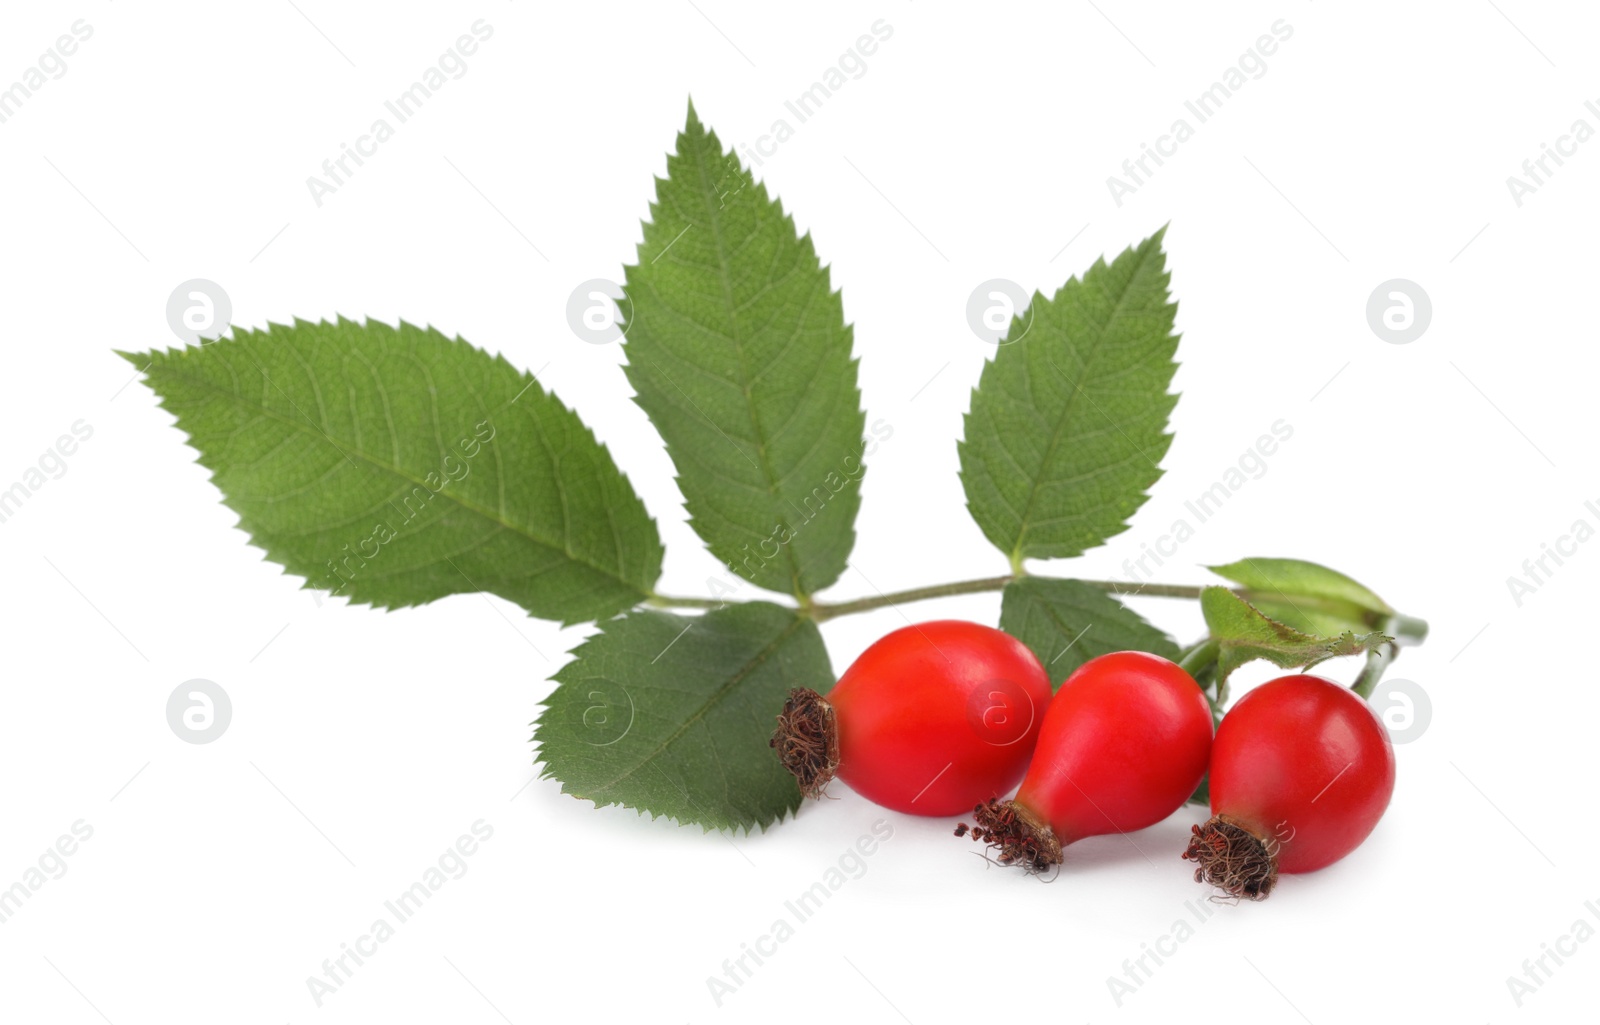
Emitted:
<point x="827" y="610"/>
<point x="1198" y="657"/>
<point x="1406" y="630"/>
<point x="1378" y="660"/>
<point x="661" y="601"/>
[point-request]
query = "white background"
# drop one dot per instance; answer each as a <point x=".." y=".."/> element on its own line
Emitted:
<point x="977" y="145"/>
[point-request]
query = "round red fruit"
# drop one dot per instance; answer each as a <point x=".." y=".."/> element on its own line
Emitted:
<point x="929" y="720"/>
<point x="1301" y="772"/>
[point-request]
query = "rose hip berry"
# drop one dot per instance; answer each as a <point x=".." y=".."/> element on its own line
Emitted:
<point x="929" y="720"/>
<point x="1301" y="771"/>
<point x="1123" y="745"/>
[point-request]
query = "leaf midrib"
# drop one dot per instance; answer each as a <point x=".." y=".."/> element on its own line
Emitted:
<point x="744" y="671"/>
<point x="726" y="282"/>
<point x="1071" y="403"/>
<point x="171" y="368"/>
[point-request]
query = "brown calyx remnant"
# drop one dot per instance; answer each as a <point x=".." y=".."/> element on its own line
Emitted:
<point x="1023" y="838"/>
<point x="807" y="740"/>
<point x="1233" y="858"/>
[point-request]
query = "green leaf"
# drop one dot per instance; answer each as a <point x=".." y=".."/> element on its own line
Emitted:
<point x="1245" y="634"/>
<point x="398" y="466"/>
<point x="1307" y="596"/>
<point x="1068" y="422"/>
<point x="738" y="350"/>
<point x="672" y="715"/>
<point x="1067" y="622"/>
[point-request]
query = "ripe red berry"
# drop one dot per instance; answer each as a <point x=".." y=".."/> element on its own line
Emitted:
<point x="1123" y="745"/>
<point x="930" y="719"/>
<point x="1301" y="772"/>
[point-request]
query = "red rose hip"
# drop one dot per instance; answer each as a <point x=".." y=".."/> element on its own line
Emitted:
<point x="1301" y="772"/>
<point x="1123" y="745"/>
<point x="929" y="720"/>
